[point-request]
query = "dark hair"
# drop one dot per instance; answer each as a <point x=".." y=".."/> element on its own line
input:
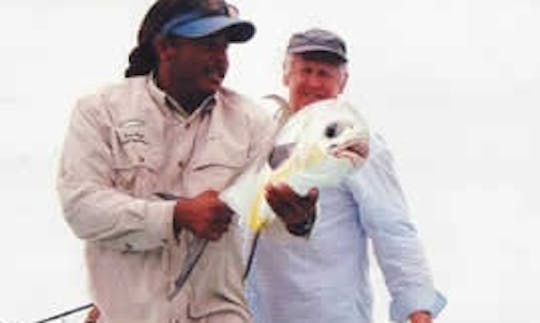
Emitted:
<point x="143" y="58"/>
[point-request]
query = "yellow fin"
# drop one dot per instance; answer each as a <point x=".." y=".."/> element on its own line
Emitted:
<point x="256" y="218"/>
<point x="256" y="221"/>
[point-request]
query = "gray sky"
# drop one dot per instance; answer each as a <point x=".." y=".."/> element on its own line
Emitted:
<point x="452" y="85"/>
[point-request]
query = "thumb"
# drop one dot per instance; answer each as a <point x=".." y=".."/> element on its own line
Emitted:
<point x="313" y="195"/>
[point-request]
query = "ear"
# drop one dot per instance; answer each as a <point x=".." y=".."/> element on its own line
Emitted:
<point x="165" y="50"/>
<point x="345" y="78"/>
<point x="286" y="73"/>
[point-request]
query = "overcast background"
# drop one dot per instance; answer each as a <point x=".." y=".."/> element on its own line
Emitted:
<point x="453" y="85"/>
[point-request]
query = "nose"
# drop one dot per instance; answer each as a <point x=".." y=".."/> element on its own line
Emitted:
<point x="313" y="81"/>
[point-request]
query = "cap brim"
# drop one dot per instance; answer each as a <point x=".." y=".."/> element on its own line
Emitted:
<point x="317" y="48"/>
<point x="237" y="30"/>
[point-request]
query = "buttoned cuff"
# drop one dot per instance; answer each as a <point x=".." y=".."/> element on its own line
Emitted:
<point x="159" y="221"/>
<point x="420" y="299"/>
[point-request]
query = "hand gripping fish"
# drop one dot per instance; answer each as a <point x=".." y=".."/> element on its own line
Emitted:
<point x="317" y="146"/>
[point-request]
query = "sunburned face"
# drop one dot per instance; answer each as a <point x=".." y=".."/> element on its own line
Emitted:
<point x="310" y="81"/>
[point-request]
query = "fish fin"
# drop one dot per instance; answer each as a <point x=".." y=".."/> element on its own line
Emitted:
<point x="256" y="219"/>
<point x="279" y="154"/>
<point x="281" y="102"/>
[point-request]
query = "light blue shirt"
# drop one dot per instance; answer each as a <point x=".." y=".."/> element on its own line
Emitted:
<point x="326" y="277"/>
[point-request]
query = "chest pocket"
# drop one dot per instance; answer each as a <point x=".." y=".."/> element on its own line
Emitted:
<point x="135" y="162"/>
<point x="219" y="161"/>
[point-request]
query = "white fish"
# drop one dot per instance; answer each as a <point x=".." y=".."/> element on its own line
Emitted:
<point x="317" y="146"/>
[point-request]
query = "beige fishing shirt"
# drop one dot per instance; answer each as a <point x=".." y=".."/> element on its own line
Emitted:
<point x="123" y="145"/>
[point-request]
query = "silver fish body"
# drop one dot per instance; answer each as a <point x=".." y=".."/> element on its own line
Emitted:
<point x="315" y="147"/>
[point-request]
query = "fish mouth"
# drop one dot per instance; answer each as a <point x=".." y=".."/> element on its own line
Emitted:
<point x="355" y="150"/>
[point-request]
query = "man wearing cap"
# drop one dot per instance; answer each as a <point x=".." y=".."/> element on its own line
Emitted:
<point x="326" y="278"/>
<point x="169" y="127"/>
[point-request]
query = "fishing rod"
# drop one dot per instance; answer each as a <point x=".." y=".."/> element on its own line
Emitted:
<point x="66" y="313"/>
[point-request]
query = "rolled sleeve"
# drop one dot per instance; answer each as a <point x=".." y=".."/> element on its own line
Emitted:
<point x="416" y="299"/>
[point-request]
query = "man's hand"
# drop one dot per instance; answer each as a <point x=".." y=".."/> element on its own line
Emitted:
<point x="204" y="215"/>
<point x="420" y="317"/>
<point x="294" y="210"/>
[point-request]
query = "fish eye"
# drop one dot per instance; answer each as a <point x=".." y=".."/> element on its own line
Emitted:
<point x="332" y="130"/>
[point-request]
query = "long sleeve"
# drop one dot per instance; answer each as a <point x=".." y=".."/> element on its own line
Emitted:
<point x="94" y="208"/>
<point x="385" y="217"/>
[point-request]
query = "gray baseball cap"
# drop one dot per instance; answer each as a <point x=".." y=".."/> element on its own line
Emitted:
<point x="318" y="40"/>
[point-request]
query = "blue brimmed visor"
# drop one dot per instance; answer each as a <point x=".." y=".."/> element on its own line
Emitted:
<point x="200" y="23"/>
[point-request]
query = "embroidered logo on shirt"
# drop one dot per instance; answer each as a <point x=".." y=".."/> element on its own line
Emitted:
<point x="132" y="123"/>
<point x="132" y="131"/>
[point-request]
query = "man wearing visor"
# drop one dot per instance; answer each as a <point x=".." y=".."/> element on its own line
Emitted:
<point x="169" y="127"/>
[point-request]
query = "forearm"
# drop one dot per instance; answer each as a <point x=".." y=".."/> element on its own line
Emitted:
<point x="408" y="278"/>
<point x="402" y="260"/>
<point x="116" y="220"/>
<point x="385" y="219"/>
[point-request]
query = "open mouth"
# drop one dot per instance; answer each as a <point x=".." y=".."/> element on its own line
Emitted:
<point x="358" y="146"/>
<point x="355" y="150"/>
